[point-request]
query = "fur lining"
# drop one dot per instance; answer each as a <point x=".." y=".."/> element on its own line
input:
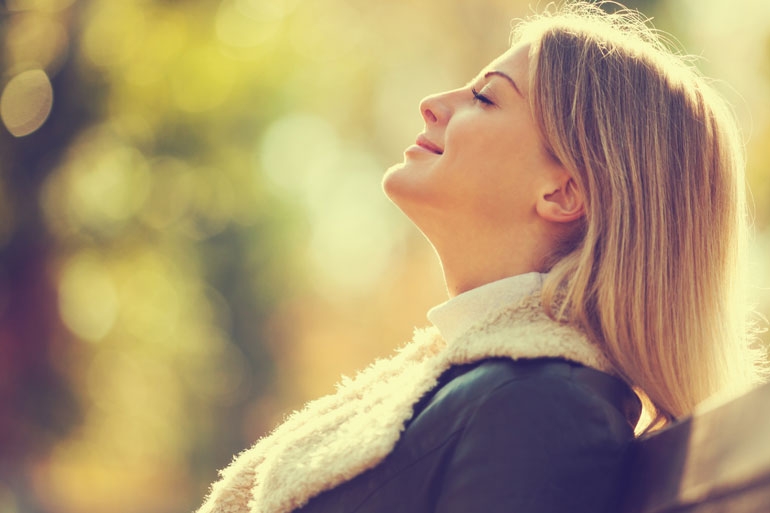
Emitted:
<point x="311" y="451"/>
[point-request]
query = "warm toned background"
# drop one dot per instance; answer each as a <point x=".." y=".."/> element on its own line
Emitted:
<point x="193" y="240"/>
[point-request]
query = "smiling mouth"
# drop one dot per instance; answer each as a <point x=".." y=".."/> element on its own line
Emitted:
<point x="423" y="142"/>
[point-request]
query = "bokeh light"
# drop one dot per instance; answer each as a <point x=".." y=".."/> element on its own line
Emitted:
<point x="352" y="230"/>
<point x="26" y="102"/>
<point x="87" y="299"/>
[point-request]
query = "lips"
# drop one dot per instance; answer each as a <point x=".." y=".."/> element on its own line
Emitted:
<point x="423" y="142"/>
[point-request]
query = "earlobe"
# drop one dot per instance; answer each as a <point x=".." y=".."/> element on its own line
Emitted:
<point x="561" y="205"/>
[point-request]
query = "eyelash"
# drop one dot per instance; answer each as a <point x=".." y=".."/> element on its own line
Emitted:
<point x="480" y="97"/>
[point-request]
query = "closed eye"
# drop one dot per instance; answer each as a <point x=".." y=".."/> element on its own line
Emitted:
<point x="477" y="96"/>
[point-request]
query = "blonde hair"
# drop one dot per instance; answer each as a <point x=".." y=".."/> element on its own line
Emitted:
<point x="654" y="275"/>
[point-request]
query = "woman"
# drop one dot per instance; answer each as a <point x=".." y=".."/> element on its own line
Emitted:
<point x="584" y="194"/>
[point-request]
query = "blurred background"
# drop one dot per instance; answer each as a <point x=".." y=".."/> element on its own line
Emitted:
<point x="193" y="241"/>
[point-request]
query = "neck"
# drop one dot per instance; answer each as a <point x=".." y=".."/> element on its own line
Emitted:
<point x="464" y="273"/>
<point x="477" y="254"/>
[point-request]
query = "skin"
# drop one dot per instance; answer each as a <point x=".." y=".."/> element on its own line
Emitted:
<point x="479" y="183"/>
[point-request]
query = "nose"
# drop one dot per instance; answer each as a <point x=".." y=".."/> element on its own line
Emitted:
<point x="435" y="108"/>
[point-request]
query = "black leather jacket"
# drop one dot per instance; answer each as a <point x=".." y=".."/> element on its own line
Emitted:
<point x="526" y="436"/>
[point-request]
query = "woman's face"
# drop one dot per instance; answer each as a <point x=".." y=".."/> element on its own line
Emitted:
<point x="480" y="161"/>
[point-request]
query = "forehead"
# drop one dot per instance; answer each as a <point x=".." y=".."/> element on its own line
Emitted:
<point x="514" y="60"/>
<point x="514" y="63"/>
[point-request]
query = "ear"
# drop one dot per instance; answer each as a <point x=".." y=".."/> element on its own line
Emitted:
<point x="561" y="202"/>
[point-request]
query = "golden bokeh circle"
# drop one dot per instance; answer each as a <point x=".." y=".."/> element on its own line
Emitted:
<point x="26" y="102"/>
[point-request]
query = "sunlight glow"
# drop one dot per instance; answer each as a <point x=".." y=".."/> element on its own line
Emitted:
<point x="354" y="228"/>
<point x="88" y="301"/>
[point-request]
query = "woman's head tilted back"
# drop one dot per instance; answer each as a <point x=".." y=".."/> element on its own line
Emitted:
<point x="592" y="151"/>
<point x="653" y="272"/>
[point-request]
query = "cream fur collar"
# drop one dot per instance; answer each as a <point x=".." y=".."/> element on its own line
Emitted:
<point x="311" y="451"/>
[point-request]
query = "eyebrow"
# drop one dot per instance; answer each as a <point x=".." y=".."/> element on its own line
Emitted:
<point x="507" y="77"/>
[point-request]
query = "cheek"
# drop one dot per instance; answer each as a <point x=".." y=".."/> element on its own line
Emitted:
<point x="497" y="171"/>
<point x="487" y="141"/>
<point x="482" y="156"/>
<point x="515" y="155"/>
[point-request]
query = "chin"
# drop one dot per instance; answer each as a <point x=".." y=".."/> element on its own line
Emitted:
<point x="403" y="187"/>
<point x="395" y="182"/>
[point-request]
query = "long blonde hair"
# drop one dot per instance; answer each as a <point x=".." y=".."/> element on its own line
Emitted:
<point x="654" y="275"/>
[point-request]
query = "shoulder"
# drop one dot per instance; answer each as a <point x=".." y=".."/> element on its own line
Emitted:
<point x="546" y="434"/>
<point x="550" y="389"/>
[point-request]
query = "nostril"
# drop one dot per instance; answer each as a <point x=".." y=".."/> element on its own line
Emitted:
<point x="428" y="115"/>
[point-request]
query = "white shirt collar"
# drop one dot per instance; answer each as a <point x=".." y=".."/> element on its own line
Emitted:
<point x="455" y="316"/>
